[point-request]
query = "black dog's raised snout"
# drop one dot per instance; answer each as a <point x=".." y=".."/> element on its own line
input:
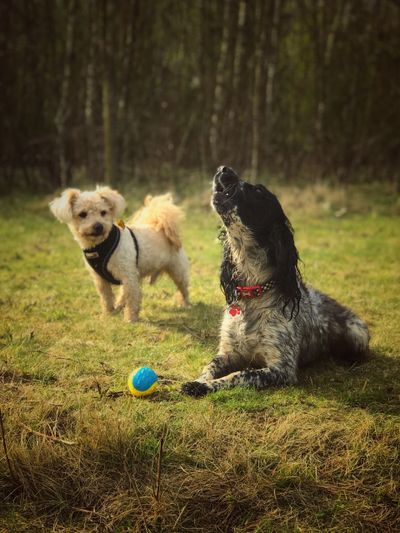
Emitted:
<point x="97" y="228"/>
<point x="222" y="169"/>
<point x="226" y="182"/>
<point x="226" y="176"/>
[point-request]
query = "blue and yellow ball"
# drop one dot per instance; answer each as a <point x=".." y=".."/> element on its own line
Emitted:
<point x="142" y="381"/>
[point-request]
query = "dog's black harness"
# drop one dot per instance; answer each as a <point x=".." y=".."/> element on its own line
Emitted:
<point x="99" y="255"/>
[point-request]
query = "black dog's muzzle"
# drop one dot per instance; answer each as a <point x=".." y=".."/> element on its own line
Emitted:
<point x="225" y="177"/>
<point x="226" y="184"/>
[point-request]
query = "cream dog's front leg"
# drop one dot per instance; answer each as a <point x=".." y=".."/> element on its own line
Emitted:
<point x="131" y="297"/>
<point x="105" y="292"/>
<point x="120" y="303"/>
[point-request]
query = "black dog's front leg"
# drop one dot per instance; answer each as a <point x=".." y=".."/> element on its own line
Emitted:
<point x="221" y="365"/>
<point x="260" y="378"/>
<point x="195" y="388"/>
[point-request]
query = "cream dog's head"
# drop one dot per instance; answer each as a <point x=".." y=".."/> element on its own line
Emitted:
<point x="89" y="214"/>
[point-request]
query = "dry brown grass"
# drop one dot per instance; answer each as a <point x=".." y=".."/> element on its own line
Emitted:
<point x="264" y="474"/>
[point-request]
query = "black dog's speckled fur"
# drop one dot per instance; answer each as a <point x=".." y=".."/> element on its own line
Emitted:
<point x="293" y="324"/>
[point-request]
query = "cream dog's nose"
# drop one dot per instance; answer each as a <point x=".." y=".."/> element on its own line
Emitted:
<point x="97" y="228"/>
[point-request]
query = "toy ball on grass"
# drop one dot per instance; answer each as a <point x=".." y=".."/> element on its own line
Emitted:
<point x="142" y="381"/>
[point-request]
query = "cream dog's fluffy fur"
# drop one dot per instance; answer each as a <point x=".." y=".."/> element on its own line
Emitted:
<point x="90" y="215"/>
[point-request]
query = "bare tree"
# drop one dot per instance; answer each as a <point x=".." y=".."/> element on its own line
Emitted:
<point x="63" y="109"/>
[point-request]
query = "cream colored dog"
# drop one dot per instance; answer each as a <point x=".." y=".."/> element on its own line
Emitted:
<point x="117" y="254"/>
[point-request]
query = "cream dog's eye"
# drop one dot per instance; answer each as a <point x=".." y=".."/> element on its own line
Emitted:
<point x="83" y="214"/>
<point x="103" y="213"/>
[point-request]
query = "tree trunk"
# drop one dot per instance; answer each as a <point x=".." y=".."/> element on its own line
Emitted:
<point x="90" y="95"/>
<point x="107" y="104"/>
<point x="257" y="88"/>
<point x="63" y="109"/>
<point x="218" y="91"/>
<point x="271" y="68"/>
<point x="126" y="104"/>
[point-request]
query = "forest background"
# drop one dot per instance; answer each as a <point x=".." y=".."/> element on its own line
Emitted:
<point x="121" y="90"/>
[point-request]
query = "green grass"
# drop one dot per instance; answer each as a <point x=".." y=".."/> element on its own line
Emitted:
<point x="319" y="456"/>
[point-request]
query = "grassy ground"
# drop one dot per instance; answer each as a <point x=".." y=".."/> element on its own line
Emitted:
<point x="85" y="456"/>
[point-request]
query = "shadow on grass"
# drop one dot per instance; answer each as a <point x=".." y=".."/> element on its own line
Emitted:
<point x="14" y="376"/>
<point x="200" y="320"/>
<point x="373" y="385"/>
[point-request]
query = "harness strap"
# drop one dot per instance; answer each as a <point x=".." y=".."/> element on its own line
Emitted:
<point x="136" y="246"/>
<point x="99" y="255"/>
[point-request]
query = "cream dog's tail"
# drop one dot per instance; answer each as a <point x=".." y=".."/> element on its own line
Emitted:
<point x="162" y="214"/>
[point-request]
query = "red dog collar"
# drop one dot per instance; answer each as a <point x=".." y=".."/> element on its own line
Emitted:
<point x="249" y="292"/>
<point x="253" y="291"/>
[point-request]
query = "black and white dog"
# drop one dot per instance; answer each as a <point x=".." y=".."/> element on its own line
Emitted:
<point x="273" y="323"/>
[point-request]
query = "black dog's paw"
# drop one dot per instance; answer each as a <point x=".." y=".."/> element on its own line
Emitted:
<point x="195" y="388"/>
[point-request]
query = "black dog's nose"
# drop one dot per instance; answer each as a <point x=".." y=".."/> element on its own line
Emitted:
<point x="226" y="176"/>
<point x="97" y="228"/>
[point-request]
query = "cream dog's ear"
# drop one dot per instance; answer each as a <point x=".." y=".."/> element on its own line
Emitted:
<point x="62" y="207"/>
<point x="116" y="201"/>
<point x="148" y="199"/>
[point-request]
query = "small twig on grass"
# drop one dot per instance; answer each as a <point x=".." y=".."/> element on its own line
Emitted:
<point x="168" y="381"/>
<point x="179" y="516"/>
<point x="3" y="436"/>
<point x="140" y="503"/>
<point x="112" y="394"/>
<point x="107" y="368"/>
<point x="80" y="510"/>
<point x="51" y="437"/>
<point x="135" y="487"/>
<point x="201" y="336"/>
<point x="63" y="358"/>
<point x="159" y="465"/>
<point x="99" y="389"/>
<point x="192" y="332"/>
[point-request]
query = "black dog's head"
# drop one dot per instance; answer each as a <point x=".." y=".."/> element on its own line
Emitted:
<point x="261" y="214"/>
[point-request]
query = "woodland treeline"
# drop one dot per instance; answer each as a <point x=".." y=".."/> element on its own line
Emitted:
<point x="116" y="90"/>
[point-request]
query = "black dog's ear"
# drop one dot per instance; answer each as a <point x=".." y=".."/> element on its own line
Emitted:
<point x="227" y="272"/>
<point x="285" y="257"/>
